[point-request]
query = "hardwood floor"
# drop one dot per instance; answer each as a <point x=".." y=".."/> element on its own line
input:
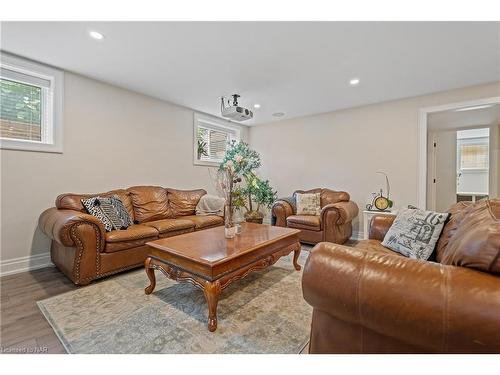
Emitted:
<point x="23" y="328"/>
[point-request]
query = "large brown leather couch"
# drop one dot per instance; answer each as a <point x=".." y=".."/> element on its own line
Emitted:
<point x="84" y="251"/>
<point x="334" y="224"/>
<point x="369" y="299"/>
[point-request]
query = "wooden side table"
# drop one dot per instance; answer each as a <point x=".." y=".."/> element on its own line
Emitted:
<point x="367" y="217"/>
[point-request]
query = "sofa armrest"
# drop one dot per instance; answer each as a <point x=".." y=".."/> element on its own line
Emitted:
<point x="436" y="307"/>
<point x="61" y="226"/>
<point x="281" y="210"/>
<point x="339" y="213"/>
<point x="379" y="226"/>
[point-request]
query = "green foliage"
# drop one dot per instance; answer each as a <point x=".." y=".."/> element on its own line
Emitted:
<point x="239" y="197"/>
<point x="263" y="194"/>
<point x="20" y="102"/>
<point x="202" y="148"/>
<point x="240" y="162"/>
<point x="240" y="159"/>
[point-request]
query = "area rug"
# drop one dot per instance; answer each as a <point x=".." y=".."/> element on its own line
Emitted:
<point x="262" y="313"/>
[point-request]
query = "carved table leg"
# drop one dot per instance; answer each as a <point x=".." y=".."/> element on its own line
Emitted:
<point x="296" y="254"/>
<point x="212" y="292"/>
<point x="151" y="275"/>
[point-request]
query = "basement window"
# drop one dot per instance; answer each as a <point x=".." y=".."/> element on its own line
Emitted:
<point x="211" y="139"/>
<point x="30" y="106"/>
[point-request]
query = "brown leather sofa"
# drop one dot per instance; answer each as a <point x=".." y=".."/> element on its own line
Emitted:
<point x="369" y="299"/>
<point x="334" y="224"/>
<point x="84" y="251"/>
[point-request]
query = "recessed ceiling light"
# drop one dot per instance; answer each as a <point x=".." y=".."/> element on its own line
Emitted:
<point x="96" y="35"/>
<point x="256" y="106"/>
<point x="354" y="82"/>
<point x="473" y="108"/>
<point x="278" y="114"/>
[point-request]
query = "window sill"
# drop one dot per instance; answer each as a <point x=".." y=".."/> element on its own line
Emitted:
<point x="206" y="163"/>
<point x="31" y="146"/>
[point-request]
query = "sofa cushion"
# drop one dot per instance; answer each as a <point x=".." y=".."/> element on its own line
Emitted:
<point x="304" y="222"/>
<point x="150" y="203"/>
<point x="375" y="246"/>
<point x="331" y="196"/>
<point x="201" y="222"/>
<point x="183" y="202"/>
<point x="170" y="225"/>
<point x="457" y="212"/>
<point x="476" y="242"/>
<point x="328" y="196"/>
<point x="72" y="201"/>
<point x="133" y="236"/>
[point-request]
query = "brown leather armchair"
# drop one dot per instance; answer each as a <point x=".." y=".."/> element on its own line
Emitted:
<point x="84" y="251"/>
<point x="369" y="299"/>
<point x="334" y="224"/>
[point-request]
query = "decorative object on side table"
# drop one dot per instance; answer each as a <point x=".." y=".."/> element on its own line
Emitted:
<point x="379" y="201"/>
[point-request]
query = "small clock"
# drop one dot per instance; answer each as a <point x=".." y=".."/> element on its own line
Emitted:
<point x="381" y="203"/>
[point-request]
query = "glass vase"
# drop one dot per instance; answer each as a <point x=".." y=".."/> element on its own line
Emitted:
<point x="229" y="226"/>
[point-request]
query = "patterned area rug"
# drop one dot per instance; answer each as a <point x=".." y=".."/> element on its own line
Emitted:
<point x="262" y="313"/>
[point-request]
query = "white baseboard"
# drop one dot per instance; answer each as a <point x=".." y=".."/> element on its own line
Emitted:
<point x="23" y="264"/>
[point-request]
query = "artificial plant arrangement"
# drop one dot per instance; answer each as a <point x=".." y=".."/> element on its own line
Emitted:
<point x="240" y="183"/>
<point x="256" y="194"/>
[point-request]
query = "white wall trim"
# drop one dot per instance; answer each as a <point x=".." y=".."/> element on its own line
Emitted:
<point x="24" y="264"/>
<point x="422" y="140"/>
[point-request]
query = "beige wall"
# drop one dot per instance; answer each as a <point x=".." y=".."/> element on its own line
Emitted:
<point x="342" y="150"/>
<point x="112" y="138"/>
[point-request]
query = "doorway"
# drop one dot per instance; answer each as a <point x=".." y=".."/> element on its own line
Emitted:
<point x="463" y="155"/>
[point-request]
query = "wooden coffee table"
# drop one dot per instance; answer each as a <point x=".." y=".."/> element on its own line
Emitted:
<point x="211" y="262"/>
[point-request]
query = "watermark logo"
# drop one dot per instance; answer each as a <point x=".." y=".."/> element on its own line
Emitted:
<point x="24" y="350"/>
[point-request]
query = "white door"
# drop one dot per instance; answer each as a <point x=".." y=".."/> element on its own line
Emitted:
<point x="445" y="175"/>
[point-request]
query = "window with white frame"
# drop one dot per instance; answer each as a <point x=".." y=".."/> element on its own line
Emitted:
<point x="473" y="149"/>
<point x="30" y="105"/>
<point x="211" y="138"/>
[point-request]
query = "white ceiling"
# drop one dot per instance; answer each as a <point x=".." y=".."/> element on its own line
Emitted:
<point x="298" y="68"/>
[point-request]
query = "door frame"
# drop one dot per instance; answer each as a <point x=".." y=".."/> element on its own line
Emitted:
<point x="422" y="140"/>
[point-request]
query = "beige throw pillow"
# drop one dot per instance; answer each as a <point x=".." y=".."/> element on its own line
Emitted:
<point x="308" y="204"/>
<point x="415" y="232"/>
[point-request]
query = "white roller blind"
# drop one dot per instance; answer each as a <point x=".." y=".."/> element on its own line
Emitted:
<point x="474" y="156"/>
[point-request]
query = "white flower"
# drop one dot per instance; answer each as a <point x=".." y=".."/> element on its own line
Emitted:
<point x="229" y="165"/>
<point x="238" y="158"/>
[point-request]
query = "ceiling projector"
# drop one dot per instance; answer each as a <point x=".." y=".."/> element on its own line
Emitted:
<point x="233" y="111"/>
